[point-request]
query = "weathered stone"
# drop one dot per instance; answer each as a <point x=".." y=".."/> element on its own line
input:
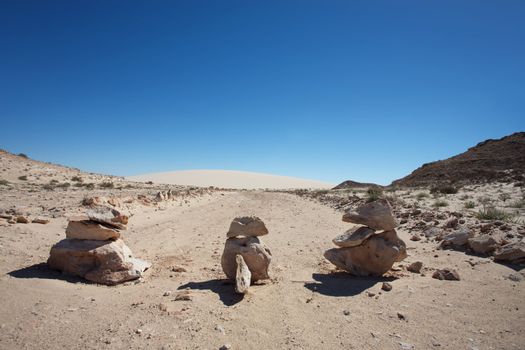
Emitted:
<point x="415" y="267"/>
<point x="91" y="230"/>
<point x="377" y="215"/>
<point x="446" y="274"/>
<point x="22" y="220"/>
<point x="512" y="252"/>
<point x="353" y="237"/>
<point x="104" y="262"/>
<point x="387" y="287"/>
<point x="40" y="221"/>
<point x="374" y="256"/>
<point x="248" y="226"/>
<point x="432" y="232"/>
<point x="415" y="237"/>
<point x="108" y="216"/>
<point x="483" y="244"/>
<point x="243" y="277"/>
<point x="255" y="254"/>
<point x="451" y="223"/>
<point x="457" y="238"/>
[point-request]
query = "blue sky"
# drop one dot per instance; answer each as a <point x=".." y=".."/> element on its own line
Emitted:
<point x="328" y="90"/>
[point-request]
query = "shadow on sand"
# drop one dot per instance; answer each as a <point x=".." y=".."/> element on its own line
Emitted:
<point x="43" y="271"/>
<point x="342" y="284"/>
<point x="224" y="288"/>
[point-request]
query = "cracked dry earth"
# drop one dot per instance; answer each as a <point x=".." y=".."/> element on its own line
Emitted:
<point x="183" y="302"/>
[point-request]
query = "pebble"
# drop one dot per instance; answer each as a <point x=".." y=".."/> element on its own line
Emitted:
<point x="346" y="312"/>
<point x="387" y="287"/>
<point x="225" y="347"/>
<point x="167" y="293"/>
<point x="406" y="346"/>
<point x="220" y="329"/>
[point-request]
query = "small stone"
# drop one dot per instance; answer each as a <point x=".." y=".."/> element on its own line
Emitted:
<point x="22" y="220"/>
<point x="415" y="267"/>
<point x="446" y="274"/>
<point x="371" y="294"/>
<point x="40" y="221"/>
<point x="346" y="312"/>
<point x="183" y="296"/>
<point x="415" y="237"/>
<point x="406" y="346"/>
<point x="220" y="329"/>
<point x="401" y="316"/>
<point x="225" y="347"/>
<point x="387" y="287"/>
<point x="167" y="293"/>
<point x="138" y="331"/>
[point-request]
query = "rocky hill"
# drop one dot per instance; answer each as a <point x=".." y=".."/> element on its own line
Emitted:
<point x="500" y="160"/>
<point x="354" y="184"/>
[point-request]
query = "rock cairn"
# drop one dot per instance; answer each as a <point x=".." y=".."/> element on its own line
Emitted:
<point x="93" y="249"/>
<point x="246" y="258"/>
<point x="361" y="250"/>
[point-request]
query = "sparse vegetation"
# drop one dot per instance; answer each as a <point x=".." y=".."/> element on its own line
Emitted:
<point x="470" y="205"/>
<point x="64" y="185"/>
<point x="90" y="186"/>
<point x="106" y="184"/>
<point x="373" y="193"/>
<point x="520" y="203"/>
<point x="149" y="183"/>
<point x="53" y="182"/>
<point x="4" y="182"/>
<point x="440" y="203"/>
<point x="493" y="214"/>
<point x="23" y="178"/>
<point x="444" y="189"/>
<point x="23" y="155"/>
<point x="77" y="179"/>
<point x="48" y="187"/>
<point x="421" y="195"/>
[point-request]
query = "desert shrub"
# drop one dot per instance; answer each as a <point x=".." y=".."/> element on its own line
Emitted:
<point x="485" y="201"/>
<point x="78" y="184"/>
<point x="23" y="155"/>
<point x="470" y="204"/>
<point x="444" y="189"/>
<point x="106" y="184"/>
<point x="77" y="179"/>
<point x="373" y="193"/>
<point x="149" y="183"/>
<point x="4" y="182"/>
<point x="53" y="182"/>
<point x="23" y="178"/>
<point x="440" y="203"/>
<point x="504" y="197"/>
<point x="129" y="186"/>
<point x="64" y="185"/>
<point x="90" y="186"/>
<point x="492" y="213"/>
<point x="421" y="195"/>
<point x="520" y="203"/>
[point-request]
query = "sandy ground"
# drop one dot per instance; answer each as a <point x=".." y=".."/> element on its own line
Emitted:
<point x="230" y="179"/>
<point x="304" y="306"/>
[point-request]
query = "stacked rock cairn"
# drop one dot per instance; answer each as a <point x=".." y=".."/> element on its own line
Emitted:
<point x="94" y="250"/>
<point x="372" y="249"/>
<point x="246" y="258"/>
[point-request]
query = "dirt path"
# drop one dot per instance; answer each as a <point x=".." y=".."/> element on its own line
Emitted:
<point x="304" y="306"/>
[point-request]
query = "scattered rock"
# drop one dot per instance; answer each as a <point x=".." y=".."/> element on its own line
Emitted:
<point x="353" y="237"/>
<point x="446" y="274"/>
<point x="183" y="296"/>
<point x="483" y="244"/>
<point x="415" y="267"/>
<point x="108" y="216"/>
<point x="377" y="215"/>
<point x="512" y="252"/>
<point x="248" y="226"/>
<point x="225" y="347"/>
<point x="415" y="237"/>
<point x="451" y="223"/>
<point x="22" y="219"/>
<point x="243" y="276"/>
<point x="387" y="287"/>
<point x="457" y="238"/>
<point x="40" y="221"/>
<point x="433" y="232"/>
<point x="104" y="262"/>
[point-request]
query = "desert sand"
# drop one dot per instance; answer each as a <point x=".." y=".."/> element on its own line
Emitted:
<point x="185" y="302"/>
<point x="229" y="179"/>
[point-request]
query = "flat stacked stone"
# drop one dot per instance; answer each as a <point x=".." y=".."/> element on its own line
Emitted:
<point x="364" y="252"/>
<point x="245" y="254"/>
<point x="94" y="250"/>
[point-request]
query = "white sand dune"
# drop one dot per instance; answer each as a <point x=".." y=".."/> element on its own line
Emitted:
<point x="229" y="179"/>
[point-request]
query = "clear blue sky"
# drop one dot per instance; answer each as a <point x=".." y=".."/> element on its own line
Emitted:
<point x="329" y="90"/>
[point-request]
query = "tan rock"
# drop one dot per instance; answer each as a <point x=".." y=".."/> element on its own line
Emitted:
<point x="353" y="237"/>
<point x="104" y="262"/>
<point x="90" y="230"/>
<point x="446" y="274"/>
<point x="377" y="215"/>
<point x="243" y="277"/>
<point x="373" y="257"/>
<point x="22" y="219"/>
<point x="248" y="226"/>
<point x="108" y="216"/>
<point x="40" y="221"/>
<point x="255" y="254"/>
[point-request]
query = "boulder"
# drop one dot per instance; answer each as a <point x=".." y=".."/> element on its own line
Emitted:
<point x="104" y="262"/>
<point x="353" y="237"/>
<point x="108" y="216"/>
<point x="483" y="244"/>
<point x="255" y="254"/>
<point x="248" y="226"/>
<point x="373" y="257"/>
<point x="87" y="229"/>
<point x="243" y="277"/>
<point x="377" y="215"/>
<point x="512" y="252"/>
